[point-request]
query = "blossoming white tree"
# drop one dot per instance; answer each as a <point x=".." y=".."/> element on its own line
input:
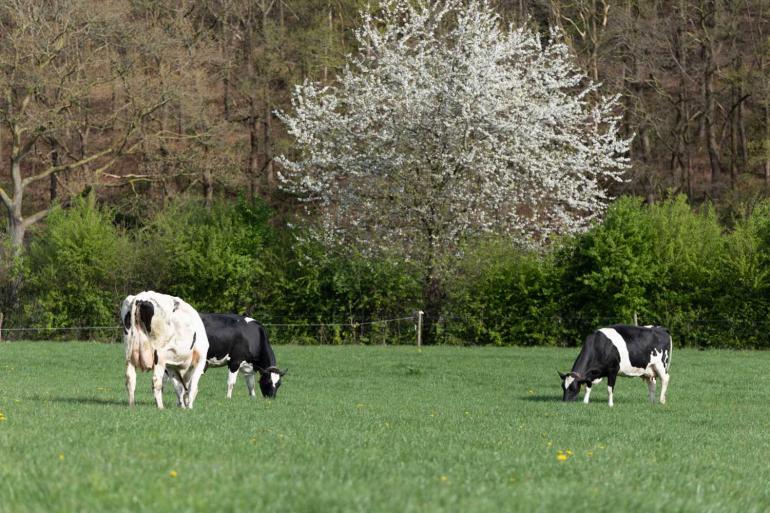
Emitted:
<point x="447" y="124"/>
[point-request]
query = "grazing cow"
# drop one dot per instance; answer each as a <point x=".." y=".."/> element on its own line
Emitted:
<point x="643" y="351"/>
<point x="241" y="344"/>
<point x="164" y="334"/>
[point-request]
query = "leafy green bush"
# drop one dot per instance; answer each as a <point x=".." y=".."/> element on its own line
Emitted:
<point x="742" y="298"/>
<point x="610" y="271"/>
<point x="345" y="288"/>
<point x="78" y="269"/>
<point x="216" y="259"/>
<point x="504" y="296"/>
<point x="666" y="263"/>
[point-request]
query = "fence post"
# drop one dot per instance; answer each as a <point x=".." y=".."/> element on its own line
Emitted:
<point x="420" y="313"/>
<point x="636" y="319"/>
<point x="1" y="326"/>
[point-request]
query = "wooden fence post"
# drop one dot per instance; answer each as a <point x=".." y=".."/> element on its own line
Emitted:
<point x="420" y="313"/>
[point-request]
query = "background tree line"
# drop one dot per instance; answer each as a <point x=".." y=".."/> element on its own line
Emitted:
<point x="663" y="263"/>
<point x="142" y="105"/>
<point x="145" y="99"/>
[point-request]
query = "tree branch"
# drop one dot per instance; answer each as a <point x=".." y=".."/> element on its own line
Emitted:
<point x="55" y="169"/>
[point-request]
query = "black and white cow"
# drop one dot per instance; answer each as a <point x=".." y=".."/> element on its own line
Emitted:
<point x="643" y="351"/>
<point x="165" y="335"/>
<point x="241" y="343"/>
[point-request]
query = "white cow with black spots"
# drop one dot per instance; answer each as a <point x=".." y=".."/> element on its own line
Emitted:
<point x="163" y="334"/>
<point x="643" y="351"/>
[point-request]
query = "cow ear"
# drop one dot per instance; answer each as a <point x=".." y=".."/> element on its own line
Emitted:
<point x="562" y="376"/>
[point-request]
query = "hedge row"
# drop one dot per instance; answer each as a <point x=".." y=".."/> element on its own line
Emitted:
<point x="665" y="264"/>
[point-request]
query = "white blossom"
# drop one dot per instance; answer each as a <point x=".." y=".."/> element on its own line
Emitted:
<point x="446" y="124"/>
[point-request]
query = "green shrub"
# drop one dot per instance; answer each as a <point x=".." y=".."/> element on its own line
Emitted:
<point x="611" y="271"/>
<point x="347" y="289"/>
<point x="78" y="269"/>
<point x="742" y="299"/>
<point x="216" y="259"/>
<point x="504" y="296"/>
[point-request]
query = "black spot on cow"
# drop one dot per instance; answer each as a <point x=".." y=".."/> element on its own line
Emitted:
<point x="126" y="322"/>
<point x="146" y="311"/>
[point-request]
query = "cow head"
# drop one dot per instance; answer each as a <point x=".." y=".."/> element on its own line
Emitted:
<point x="270" y="380"/>
<point x="570" y="385"/>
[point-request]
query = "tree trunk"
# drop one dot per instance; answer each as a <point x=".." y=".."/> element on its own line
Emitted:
<point x="253" y="152"/>
<point x="17" y="230"/>
<point x="433" y="298"/>
<point x="208" y="185"/>
<point x="55" y="163"/>
<point x="767" y="142"/>
<point x="709" y="70"/>
<point x="267" y="145"/>
<point x="733" y="141"/>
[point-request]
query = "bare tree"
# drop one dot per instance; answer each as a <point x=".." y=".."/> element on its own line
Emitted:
<point x="54" y="78"/>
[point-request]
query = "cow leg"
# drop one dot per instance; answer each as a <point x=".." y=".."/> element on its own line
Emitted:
<point x="130" y="382"/>
<point x="234" y="367"/>
<point x="250" y="383"/>
<point x="176" y="380"/>
<point x="231" y="377"/>
<point x="192" y="387"/>
<point x="588" y="393"/>
<point x="610" y="385"/>
<point x="650" y="387"/>
<point x="661" y="370"/>
<point x="157" y="383"/>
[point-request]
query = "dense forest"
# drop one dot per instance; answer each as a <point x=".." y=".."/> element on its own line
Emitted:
<point x="139" y="147"/>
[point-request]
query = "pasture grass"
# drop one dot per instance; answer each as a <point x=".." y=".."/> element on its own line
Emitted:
<point x="383" y="429"/>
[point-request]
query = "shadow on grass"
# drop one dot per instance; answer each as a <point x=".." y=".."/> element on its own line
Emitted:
<point x="542" y="398"/>
<point x="89" y="400"/>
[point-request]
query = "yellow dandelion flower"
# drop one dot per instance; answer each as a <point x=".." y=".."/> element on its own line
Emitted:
<point x="561" y="457"/>
<point x="172" y="473"/>
<point x="61" y="456"/>
<point x="569" y="453"/>
<point x="444" y="479"/>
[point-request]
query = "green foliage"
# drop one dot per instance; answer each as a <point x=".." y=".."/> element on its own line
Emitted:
<point x="666" y="263"/>
<point x="610" y="270"/>
<point x="78" y="267"/>
<point x="325" y="286"/>
<point x="12" y="272"/>
<point x="743" y="275"/>
<point x="504" y="294"/>
<point x="217" y="258"/>
<point x="661" y="262"/>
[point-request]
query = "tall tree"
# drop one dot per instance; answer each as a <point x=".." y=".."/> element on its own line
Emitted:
<point x="446" y="125"/>
<point x="52" y="78"/>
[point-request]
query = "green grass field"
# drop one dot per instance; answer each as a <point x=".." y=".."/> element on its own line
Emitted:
<point x="383" y="429"/>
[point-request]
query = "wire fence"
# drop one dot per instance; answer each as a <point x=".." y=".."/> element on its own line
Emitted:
<point x="393" y="331"/>
<point x="453" y="330"/>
